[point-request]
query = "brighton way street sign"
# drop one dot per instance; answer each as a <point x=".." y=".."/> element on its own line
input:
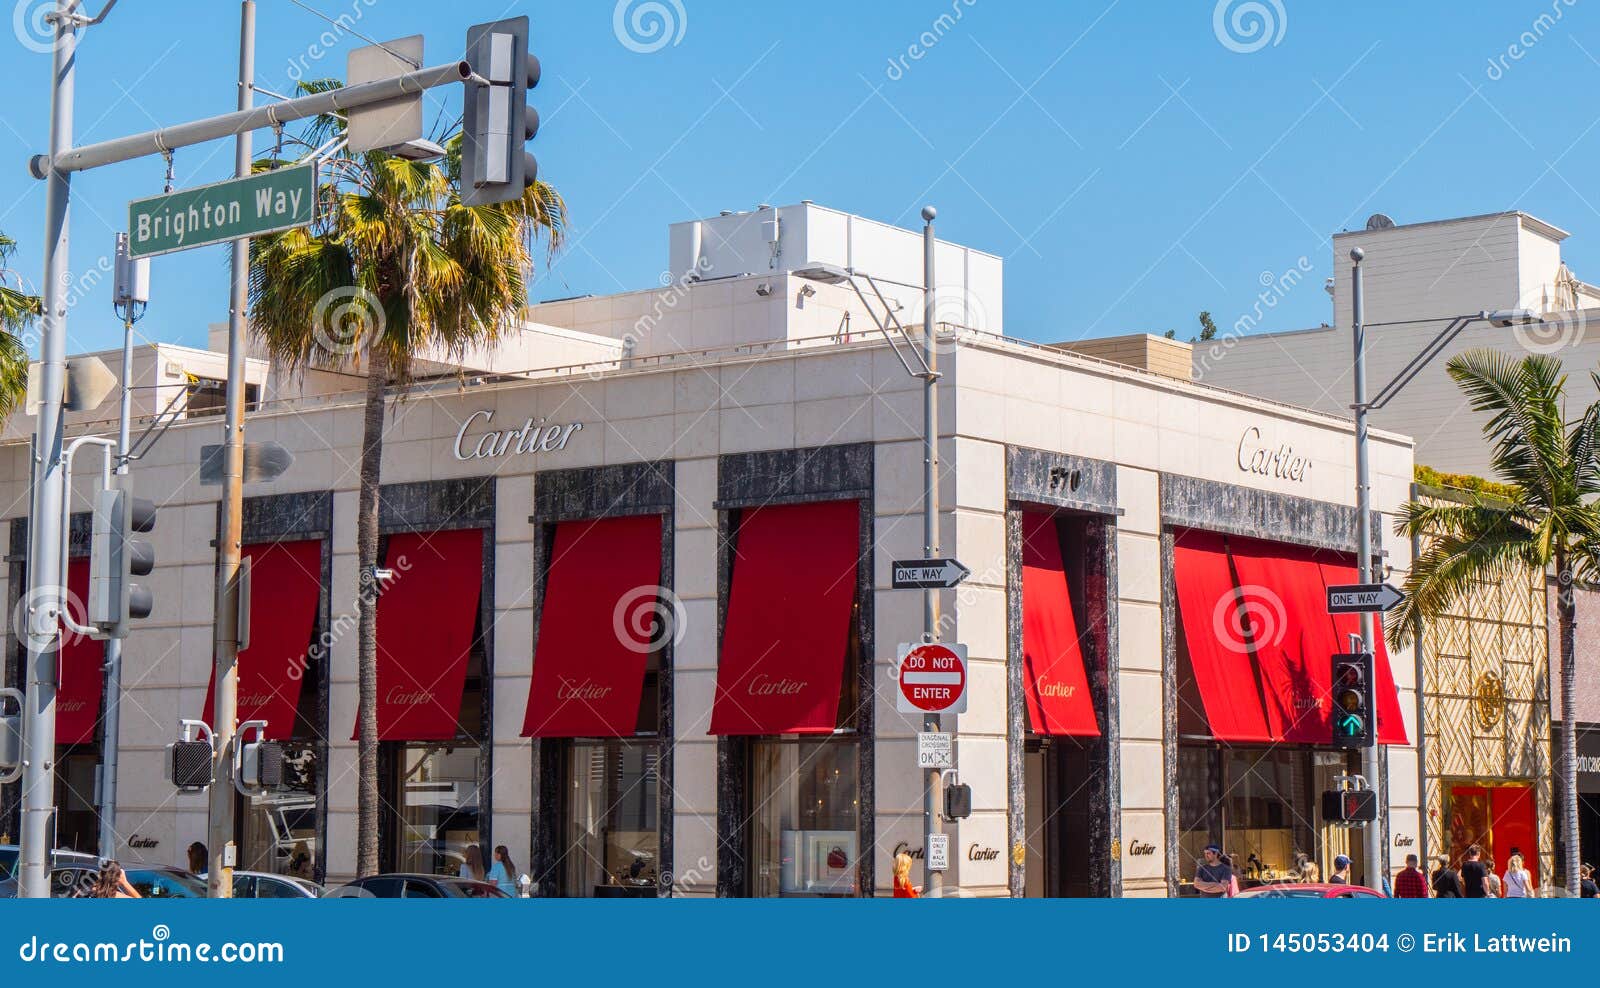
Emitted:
<point x="211" y="214"/>
<point x="1356" y="598"/>
<point x="933" y="678"/>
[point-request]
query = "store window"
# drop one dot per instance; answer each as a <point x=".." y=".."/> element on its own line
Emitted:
<point x="438" y="808"/>
<point x="278" y="830"/>
<point x="612" y="842"/>
<point x="803" y="830"/>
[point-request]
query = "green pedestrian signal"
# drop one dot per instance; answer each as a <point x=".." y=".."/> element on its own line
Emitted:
<point x="1352" y="701"/>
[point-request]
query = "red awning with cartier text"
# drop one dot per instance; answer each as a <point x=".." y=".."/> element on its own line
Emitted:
<point x="1219" y="650"/>
<point x="597" y="628"/>
<point x="1054" y="683"/>
<point x="285" y="591"/>
<point x="1283" y="607"/>
<point x="80" y="669"/>
<point x="788" y="623"/>
<point x="427" y="614"/>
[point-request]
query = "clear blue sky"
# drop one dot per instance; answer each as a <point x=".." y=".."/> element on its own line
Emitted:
<point x="1130" y="166"/>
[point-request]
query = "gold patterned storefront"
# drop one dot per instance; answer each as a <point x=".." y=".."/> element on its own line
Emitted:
<point x="1486" y="725"/>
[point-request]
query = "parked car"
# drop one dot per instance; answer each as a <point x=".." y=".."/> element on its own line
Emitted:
<point x="10" y="853"/>
<point x="150" y="881"/>
<point x="263" y="885"/>
<point x="1310" y="890"/>
<point x="416" y="887"/>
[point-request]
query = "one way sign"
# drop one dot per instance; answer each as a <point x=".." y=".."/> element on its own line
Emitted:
<point x="927" y="574"/>
<point x="1357" y="598"/>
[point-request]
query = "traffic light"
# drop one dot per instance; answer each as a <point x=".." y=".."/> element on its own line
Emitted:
<point x="1349" y="806"/>
<point x="957" y="801"/>
<point x="115" y="557"/>
<point x="496" y="120"/>
<point x="1352" y="701"/>
<point x="258" y="763"/>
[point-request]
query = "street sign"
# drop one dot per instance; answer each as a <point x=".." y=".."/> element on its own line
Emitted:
<point x="384" y="125"/>
<point x="212" y="214"/>
<point x="935" y="749"/>
<point x="1356" y="598"/>
<point x="933" y="679"/>
<point x="938" y="852"/>
<point x="927" y="574"/>
<point x="262" y="462"/>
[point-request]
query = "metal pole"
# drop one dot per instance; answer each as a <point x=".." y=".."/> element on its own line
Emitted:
<point x="1376" y="867"/>
<point x="224" y="720"/>
<point x="932" y="881"/>
<point x="45" y="576"/>
<point x="111" y="726"/>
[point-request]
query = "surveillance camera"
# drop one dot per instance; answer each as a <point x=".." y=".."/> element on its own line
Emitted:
<point x="764" y="289"/>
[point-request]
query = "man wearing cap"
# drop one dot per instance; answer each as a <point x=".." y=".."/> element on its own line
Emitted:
<point x="1214" y="878"/>
<point x="1341" y="870"/>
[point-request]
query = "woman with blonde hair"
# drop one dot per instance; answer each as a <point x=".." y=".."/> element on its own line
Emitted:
<point x="1518" y="881"/>
<point x="903" y="889"/>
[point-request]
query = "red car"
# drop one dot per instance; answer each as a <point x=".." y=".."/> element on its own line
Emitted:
<point x="1310" y="890"/>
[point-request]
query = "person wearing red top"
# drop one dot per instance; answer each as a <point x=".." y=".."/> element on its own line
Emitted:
<point x="1411" y="883"/>
<point x="903" y="889"/>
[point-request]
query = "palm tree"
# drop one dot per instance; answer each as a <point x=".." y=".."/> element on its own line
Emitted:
<point x="1549" y="520"/>
<point x="18" y="310"/>
<point x="396" y="266"/>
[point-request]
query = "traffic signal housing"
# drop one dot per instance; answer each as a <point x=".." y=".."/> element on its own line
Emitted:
<point x="496" y="120"/>
<point x="1349" y="806"/>
<point x="115" y="557"/>
<point x="1353" y="701"/>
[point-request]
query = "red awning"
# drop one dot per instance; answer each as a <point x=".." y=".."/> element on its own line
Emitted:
<point x="285" y="591"/>
<point x="788" y="623"/>
<point x="81" y="669"/>
<point x="1391" y="723"/>
<point x="1218" y="648"/>
<point x="1281" y="593"/>
<point x="1054" y="683"/>
<point x="595" y="627"/>
<point x="426" y="618"/>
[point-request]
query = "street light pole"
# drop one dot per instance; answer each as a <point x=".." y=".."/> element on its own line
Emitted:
<point x="224" y="720"/>
<point x="1377" y="868"/>
<point x="45" y="593"/>
<point x="932" y="881"/>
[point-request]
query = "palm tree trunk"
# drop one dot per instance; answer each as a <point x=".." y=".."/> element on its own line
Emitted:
<point x="367" y="600"/>
<point x="1567" y="766"/>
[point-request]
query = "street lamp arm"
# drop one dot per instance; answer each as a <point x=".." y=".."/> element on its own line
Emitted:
<point x="1499" y="317"/>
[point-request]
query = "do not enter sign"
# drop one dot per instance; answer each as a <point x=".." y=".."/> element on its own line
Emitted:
<point x="933" y="679"/>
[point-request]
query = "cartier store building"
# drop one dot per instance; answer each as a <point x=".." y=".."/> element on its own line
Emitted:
<point x="638" y="626"/>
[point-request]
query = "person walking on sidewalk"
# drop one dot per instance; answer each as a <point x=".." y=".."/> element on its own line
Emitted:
<point x="903" y="889"/>
<point x="112" y="883"/>
<point x="1588" y="889"/>
<point x="1411" y="883"/>
<point x="1341" y="870"/>
<point x="1447" y="882"/>
<point x="503" y="873"/>
<point x="1518" y="881"/>
<point x="1474" y="876"/>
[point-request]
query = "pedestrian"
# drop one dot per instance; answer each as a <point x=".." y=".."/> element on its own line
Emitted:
<point x="1411" y="883"/>
<point x="1341" y="870"/>
<point x="1587" y="887"/>
<point x="1518" y="881"/>
<point x="199" y="859"/>
<point x="112" y="883"/>
<point x="1474" y="876"/>
<point x="300" y="861"/>
<point x="1491" y="879"/>
<point x="1447" y="881"/>
<point x="1305" y="870"/>
<point x="472" y="864"/>
<point x="503" y="873"/>
<point x="903" y="889"/>
<point x="1213" y="879"/>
